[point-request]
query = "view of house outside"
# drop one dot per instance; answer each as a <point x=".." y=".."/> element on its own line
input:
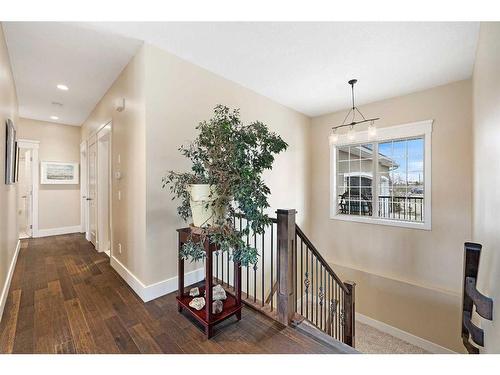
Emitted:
<point x="399" y="183"/>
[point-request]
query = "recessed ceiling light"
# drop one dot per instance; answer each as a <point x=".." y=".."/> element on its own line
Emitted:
<point x="62" y="87"/>
<point x="54" y="117"/>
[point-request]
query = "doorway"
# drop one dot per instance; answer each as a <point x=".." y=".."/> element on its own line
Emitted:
<point x="92" y="191"/>
<point x="103" y="189"/>
<point x="25" y="193"/>
<point x="97" y="153"/>
<point x="27" y="202"/>
<point x="84" y="212"/>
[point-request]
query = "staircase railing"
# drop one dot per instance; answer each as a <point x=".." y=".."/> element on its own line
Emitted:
<point x="291" y="280"/>
<point x="324" y="299"/>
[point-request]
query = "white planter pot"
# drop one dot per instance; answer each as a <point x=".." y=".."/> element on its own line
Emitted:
<point x="202" y="211"/>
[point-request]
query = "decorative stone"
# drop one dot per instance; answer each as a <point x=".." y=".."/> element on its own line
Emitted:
<point x="194" y="292"/>
<point x="197" y="303"/>
<point x="217" y="307"/>
<point x="218" y="293"/>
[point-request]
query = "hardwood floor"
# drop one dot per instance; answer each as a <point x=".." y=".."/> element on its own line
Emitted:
<point x="66" y="298"/>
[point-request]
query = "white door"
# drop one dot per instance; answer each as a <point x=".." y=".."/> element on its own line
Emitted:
<point x="29" y="192"/>
<point x="25" y="194"/>
<point x="83" y="189"/>
<point x="103" y="189"/>
<point x="92" y="192"/>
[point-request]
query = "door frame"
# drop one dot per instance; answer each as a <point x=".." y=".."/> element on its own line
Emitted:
<point x="84" y="206"/>
<point x="91" y="138"/>
<point x="92" y="141"/>
<point x="104" y="131"/>
<point x="35" y="165"/>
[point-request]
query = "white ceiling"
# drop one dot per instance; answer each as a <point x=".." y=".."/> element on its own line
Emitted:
<point x="44" y="54"/>
<point x="305" y="66"/>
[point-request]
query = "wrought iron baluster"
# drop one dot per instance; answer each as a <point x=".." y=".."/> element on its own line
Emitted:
<point x="325" y="304"/>
<point x="329" y="304"/>
<point x="306" y="282"/>
<point x="342" y="316"/>
<point x="248" y="244"/>
<point x="295" y="270"/>
<point x="301" y="276"/>
<point x="241" y="228"/>
<point x="321" y="295"/>
<point x="337" y="336"/>
<point x="255" y="270"/>
<point x="333" y="313"/>
<point x="327" y="294"/>
<point x="312" y="287"/>
<point x="316" y="283"/>
<point x="272" y="255"/>
<point x="262" y="282"/>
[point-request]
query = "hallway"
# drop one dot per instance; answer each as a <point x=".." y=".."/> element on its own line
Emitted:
<point x="66" y="298"/>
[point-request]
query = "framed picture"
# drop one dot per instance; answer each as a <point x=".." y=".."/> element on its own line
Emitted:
<point x="53" y="172"/>
<point x="10" y="153"/>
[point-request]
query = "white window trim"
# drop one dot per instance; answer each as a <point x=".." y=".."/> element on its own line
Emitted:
<point x="413" y="129"/>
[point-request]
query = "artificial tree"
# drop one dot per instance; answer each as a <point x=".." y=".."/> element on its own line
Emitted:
<point x="230" y="157"/>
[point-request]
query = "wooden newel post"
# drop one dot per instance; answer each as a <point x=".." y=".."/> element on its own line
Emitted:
<point x="349" y="311"/>
<point x="286" y="265"/>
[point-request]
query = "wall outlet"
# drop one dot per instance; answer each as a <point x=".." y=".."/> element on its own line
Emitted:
<point x="119" y="248"/>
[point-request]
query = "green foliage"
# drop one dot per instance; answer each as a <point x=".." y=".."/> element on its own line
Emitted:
<point x="231" y="157"/>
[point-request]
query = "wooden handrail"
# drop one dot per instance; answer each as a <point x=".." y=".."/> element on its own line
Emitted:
<point x="240" y="215"/>
<point x="316" y="253"/>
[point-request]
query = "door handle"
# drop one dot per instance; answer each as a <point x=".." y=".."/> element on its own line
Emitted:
<point x="24" y="196"/>
<point x="89" y="199"/>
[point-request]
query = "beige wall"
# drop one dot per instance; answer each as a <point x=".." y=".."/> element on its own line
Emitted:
<point x="410" y="258"/>
<point x="179" y="95"/>
<point x="128" y="141"/>
<point x="486" y="96"/>
<point x="8" y="193"/>
<point x="58" y="205"/>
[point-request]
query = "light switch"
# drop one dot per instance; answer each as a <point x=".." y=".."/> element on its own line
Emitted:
<point x="119" y="195"/>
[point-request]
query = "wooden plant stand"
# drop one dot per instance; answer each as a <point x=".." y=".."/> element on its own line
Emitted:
<point x="231" y="306"/>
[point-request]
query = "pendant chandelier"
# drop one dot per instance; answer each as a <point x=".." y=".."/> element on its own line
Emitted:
<point x="354" y="117"/>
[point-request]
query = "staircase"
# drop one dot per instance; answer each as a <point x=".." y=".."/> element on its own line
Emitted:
<point x="292" y="283"/>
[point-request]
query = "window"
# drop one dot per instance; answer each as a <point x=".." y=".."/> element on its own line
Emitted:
<point x="384" y="179"/>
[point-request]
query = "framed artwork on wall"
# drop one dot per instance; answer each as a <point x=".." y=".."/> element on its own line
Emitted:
<point x="53" y="172"/>
<point x="10" y="153"/>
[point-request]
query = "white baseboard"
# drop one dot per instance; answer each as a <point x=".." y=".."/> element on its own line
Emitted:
<point x="58" y="231"/>
<point x="152" y="291"/>
<point x="403" y="335"/>
<point x="6" y="286"/>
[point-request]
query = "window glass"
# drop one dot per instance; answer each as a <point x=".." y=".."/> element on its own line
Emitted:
<point x="399" y="167"/>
